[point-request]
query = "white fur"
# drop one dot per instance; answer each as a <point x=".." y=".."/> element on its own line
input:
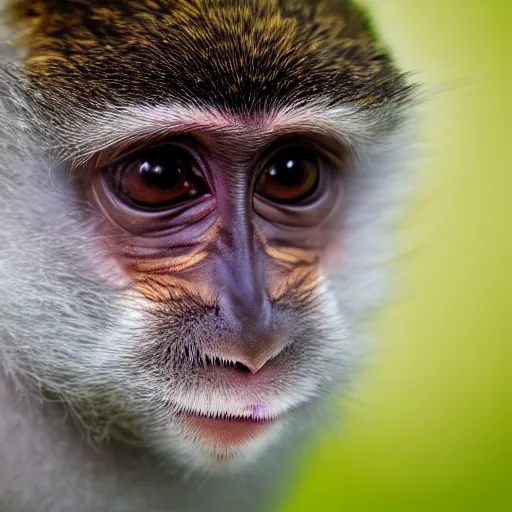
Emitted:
<point x="75" y="334"/>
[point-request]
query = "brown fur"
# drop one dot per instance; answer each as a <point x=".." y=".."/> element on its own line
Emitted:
<point x="243" y="56"/>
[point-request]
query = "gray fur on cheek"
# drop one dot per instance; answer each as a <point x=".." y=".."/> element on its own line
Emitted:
<point x="60" y="323"/>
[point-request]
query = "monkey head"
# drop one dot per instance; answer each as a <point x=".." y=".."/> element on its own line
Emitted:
<point x="195" y="205"/>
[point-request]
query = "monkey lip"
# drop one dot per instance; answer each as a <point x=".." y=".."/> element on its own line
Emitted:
<point x="225" y="431"/>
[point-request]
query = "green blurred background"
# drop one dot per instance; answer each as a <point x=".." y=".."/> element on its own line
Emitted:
<point x="429" y="430"/>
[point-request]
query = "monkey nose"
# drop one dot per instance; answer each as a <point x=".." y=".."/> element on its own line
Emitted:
<point x="254" y="355"/>
<point x="249" y="353"/>
<point x="253" y="340"/>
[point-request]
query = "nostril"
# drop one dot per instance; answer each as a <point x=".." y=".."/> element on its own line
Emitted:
<point x="241" y="367"/>
<point x="221" y="362"/>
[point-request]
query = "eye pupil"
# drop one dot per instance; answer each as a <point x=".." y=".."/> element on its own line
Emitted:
<point x="291" y="177"/>
<point x="289" y="174"/>
<point x="160" y="176"/>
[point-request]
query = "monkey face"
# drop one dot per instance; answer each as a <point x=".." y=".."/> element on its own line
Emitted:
<point x="223" y="250"/>
<point x="197" y="188"/>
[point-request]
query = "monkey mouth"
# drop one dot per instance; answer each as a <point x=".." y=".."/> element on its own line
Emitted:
<point x="224" y="430"/>
<point x="229" y="425"/>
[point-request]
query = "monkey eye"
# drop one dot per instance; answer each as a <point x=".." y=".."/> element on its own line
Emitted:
<point x="290" y="176"/>
<point x="158" y="177"/>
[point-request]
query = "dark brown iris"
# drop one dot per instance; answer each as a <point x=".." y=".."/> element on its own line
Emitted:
<point x="158" y="177"/>
<point x="290" y="177"/>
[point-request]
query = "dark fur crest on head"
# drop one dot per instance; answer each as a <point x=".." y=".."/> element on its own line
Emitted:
<point x="243" y="56"/>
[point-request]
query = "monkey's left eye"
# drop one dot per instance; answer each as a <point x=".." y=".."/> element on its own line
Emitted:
<point x="291" y="176"/>
<point x="159" y="177"/>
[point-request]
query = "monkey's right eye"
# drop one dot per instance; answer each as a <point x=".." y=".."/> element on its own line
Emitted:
<point x="159" y="177"/>
<point x="290" y="177"/>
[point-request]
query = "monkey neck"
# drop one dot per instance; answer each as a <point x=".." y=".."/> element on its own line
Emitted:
<point x="51" y="466"/>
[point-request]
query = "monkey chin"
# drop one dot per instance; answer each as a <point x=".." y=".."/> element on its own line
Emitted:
<point x="222" y="445"/>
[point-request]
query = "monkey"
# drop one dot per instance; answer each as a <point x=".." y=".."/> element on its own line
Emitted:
<point x="197" y="200"/>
